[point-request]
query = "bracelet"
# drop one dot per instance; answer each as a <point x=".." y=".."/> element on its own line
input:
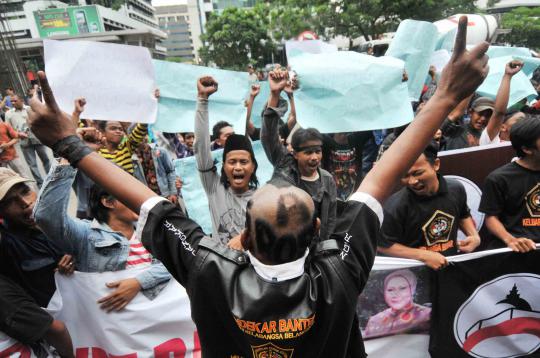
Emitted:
<point x="71" y="148"/>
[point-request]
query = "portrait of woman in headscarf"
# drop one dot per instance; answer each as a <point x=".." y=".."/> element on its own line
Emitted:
<point x="402" y="314"/>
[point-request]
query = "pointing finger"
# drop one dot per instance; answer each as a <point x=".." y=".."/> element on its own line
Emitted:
<point x="47" y="92"/>
<point x="461" y="37"/>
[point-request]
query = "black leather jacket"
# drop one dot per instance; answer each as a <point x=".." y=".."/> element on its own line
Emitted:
<point x="240" y="314"/>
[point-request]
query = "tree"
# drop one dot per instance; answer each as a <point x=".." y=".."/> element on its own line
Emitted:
<point x="366" y="18"/>
<point x="236" y="38"/>
<point x="525" y="25"/>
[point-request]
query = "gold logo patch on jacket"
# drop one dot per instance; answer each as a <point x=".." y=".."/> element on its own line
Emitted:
<point x="270" y="350"/>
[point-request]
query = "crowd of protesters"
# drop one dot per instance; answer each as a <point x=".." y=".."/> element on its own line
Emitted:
<point x="325" y="188"/>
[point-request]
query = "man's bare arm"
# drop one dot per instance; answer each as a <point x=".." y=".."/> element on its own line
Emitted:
<point x="501" y="101"/>
<point x="460" y="78"/>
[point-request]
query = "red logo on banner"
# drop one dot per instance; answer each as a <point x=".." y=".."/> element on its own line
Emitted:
<point x="501" y="319"/>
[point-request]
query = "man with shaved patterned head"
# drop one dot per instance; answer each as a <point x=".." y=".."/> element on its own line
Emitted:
<point x="288" y="295"/>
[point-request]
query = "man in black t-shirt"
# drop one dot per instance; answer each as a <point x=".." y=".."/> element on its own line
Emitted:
<point x="422" y="219"/>
<point x="23" y="320"/>
<point x="342" y="157"/>
<point x="285" y="295"/>
<point x="511" y="197"/>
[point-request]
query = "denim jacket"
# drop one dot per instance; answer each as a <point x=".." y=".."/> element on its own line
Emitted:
<point x="165" y="174"/>
<point x="286" y="168"/>
<point x="94" y="246"/>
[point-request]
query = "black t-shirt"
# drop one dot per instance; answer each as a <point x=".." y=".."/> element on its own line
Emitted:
<point x="312" y="188"/>
<point x="238" y="313"/>
<point x="512" y="193"/>
<point x="30" y="261"/>
<point x="344" y="162"/>
<point x="426" y="222"/>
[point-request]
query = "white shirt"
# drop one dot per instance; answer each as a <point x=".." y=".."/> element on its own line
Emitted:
<point x="484" y="139"/>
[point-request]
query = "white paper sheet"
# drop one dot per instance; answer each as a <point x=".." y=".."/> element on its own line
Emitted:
<point x="117" y="81"/>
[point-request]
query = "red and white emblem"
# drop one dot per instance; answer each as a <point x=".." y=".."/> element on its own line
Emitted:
<point x="501" y="319"/>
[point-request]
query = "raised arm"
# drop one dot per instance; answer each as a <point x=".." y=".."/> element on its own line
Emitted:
<point x="250" y="127"/>
<point x="459" y="79"/>
<point x="78" y="108"/>
<point x="501" y="101"/>
<point x="206" y="86"/>
<point x="273" y="148"/>
<point x="63" y="230"/>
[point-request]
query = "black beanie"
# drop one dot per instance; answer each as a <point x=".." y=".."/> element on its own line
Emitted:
<point x="238" y="142"/>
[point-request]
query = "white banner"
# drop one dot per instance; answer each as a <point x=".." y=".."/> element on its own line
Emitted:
<point x="118" y="81"/>
<point x="161" y="327"/>
<point x="10" y="348"/>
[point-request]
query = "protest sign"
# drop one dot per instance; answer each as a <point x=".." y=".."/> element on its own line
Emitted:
<point x="530" y="64"/>
<point x="177" y="83"/>
<point x="520" y="88"/>
<point x="446" y="39"/>
<point x="144" y="328"/>
<point x="193" y="192"/>
<point x="347" y="91"/>
<point x="295" y="48"/>
<point x="116" y="80"/>
<point x="504" y="51"/>
<point x="414" y="43"/>
<point x="439" y="59"/>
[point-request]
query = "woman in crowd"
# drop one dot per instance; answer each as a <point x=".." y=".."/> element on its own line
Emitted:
<point x="402" y="314"/>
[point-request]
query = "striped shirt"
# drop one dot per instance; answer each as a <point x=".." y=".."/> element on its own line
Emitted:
<point x="122" y="156"/>
<point x="138" y="256"/>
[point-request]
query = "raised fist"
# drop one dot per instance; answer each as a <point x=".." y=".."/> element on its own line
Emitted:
<point x="206" y="86"/>
<point x="513" y="67"/>
<point x="278" y="80"/>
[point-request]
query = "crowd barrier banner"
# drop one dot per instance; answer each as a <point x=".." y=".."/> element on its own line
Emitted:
<point x="521" y="85"/>
<point x="158" y="328"/>
<point x="347" y="91"/>
<point x="10" y="348"/>
<point x="414" y="43"/>
<point x="116" y="80"/>
<point x="177" y="83"/>
<point x="488" y="307"/>
<point x="193" y="192"/>
<point x="484" y="304"/>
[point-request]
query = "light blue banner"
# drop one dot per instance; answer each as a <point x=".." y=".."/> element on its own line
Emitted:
<point x="346" y="91"/>
<point x="446" y="40"/>
<point x="177" y="83"/>
<point x="520" y="86"/>
<point x="193" y="192"/>
<point x="503" y="51"/>
<point x="414" y="43"/>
